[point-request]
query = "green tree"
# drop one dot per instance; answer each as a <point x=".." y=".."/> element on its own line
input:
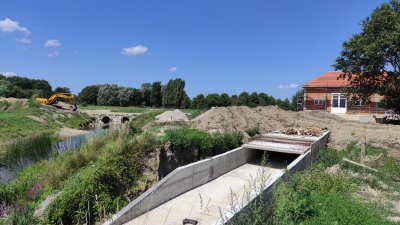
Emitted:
<point x="146" y="93"/>
<point x="199" y="102"/>
<point x="224" y="100"/>
<point x="156" y="94"/>
<point x="284" y="104"/>
<point x="125" y="96"/>
<point x="186" y="102"/>
<point x="297" y="101"/>
<point x="234" y="100"/>
<point x="253" y="100"/>
<point x="62" y="90"/>
<point x="213" y="100"/>
<point x="370" y="60"/>
<point x="89" y="94"/>
<point x="243" y="98"/>
<point x="136" y="97"/>
<point x="108" y="95"/>
<point x="174" y="93"/>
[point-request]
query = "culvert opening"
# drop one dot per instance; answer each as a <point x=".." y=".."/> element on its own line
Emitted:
<point x="277" y="160"/>
<point x="125" y="119"/>
<point x="106" y="120"/>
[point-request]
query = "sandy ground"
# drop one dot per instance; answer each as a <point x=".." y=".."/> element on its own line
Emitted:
<point x="66" y="132"/>
<point x="271" y="118"/>
<point x="172" y="116"/>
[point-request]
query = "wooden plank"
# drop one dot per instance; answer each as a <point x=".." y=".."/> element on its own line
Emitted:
<point x="359" y="164"/>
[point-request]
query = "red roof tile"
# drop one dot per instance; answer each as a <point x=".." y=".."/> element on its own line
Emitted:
<point x="328" y="79"/>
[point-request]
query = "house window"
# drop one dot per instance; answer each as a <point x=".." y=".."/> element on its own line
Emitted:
<point x="319" y="102"/>
<point x="359" y="102"/>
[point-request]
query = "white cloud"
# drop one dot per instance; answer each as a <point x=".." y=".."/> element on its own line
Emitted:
<point x="288" y="86"/>
<point x="24" y="40"/>
<point x="8" y="25"/>
<point x="53" y="54"/>
<point x="173" y="69"/>
<point x="52" y="43"/>
<point x="135" y="50"/>
<point x="8" y="74"/>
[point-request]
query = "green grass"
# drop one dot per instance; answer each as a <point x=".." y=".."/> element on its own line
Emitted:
<point x="135" y="109"/>
<point x="16" y="124"/>
<point x="129" y="109"/>
<point x="75" y="120"/>
<point x="316" y="197"/>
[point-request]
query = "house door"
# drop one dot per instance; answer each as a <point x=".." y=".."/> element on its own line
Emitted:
<point x="339" y="103"/>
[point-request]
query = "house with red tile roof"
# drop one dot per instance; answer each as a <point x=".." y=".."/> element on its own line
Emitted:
<point x="326" y="93"/>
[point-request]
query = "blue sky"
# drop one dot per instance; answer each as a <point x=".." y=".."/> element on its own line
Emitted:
<point x="216" y="46"/>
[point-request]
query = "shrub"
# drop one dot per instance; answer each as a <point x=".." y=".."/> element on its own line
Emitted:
<point x="191" y="145"/>
<point x="253" y="131"/>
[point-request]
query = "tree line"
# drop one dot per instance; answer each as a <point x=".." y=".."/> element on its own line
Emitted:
<point x="173" y="95"/>
<point x="22" y="87"/>
<point x="170" y="95"/>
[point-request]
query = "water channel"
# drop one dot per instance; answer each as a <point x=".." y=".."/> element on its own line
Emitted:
<point x="9" y="171"/>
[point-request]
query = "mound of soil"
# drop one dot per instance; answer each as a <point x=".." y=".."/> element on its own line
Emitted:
<point x="172" y="116"/>
<point x="271" y="118"/>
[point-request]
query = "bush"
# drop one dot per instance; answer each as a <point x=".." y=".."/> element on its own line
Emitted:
<point x="253" y="131"/>
<point x="191" y="145"/>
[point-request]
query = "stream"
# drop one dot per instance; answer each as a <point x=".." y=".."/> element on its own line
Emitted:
<point x="10" y="171"/>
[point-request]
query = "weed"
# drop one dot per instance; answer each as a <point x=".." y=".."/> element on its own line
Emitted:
<point x="253" y="131"/>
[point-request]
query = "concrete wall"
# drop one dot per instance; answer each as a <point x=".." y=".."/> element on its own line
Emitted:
<point x="196" y="174"/>
<point x="300" y="163"/>
<point x="305" y="160"/>
<point x="182" y="180"/>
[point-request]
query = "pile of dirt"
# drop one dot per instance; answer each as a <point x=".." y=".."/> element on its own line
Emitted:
<point x="13" y="103"/>
<point x="271" y="118"/>
<point x="172" y="116"/>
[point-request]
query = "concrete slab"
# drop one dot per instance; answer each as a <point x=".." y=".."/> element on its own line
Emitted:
<point x="207" y="202"/>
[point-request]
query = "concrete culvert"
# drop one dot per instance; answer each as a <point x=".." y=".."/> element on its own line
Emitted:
<point x="106" y="120"/>
<point x="124" y="119"/>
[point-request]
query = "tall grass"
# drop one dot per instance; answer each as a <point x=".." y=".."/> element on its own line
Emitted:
<point x="190" y="145"/>
<point x="30" y="148"/>
<point x="316" y="197"/>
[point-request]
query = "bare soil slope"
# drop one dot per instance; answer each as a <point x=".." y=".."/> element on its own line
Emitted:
<point x="271" y="118"/>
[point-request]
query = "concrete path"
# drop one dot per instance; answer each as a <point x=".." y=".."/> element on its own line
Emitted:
<point x="207" y="202"/>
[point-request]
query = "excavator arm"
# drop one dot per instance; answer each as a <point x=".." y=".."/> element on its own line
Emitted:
<point x="54" y="97"/>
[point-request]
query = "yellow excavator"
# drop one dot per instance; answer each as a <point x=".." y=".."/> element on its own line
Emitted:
<point x="54" y="97"/>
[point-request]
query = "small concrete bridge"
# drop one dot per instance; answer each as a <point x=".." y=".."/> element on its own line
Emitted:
<point x="107" y="117"/>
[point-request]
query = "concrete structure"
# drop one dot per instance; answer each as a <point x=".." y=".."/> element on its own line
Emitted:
<point x="203" y="190"/>
<point x="107" y="117"/>
<point x="326" y="93"/>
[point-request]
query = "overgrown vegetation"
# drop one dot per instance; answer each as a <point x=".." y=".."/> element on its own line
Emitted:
<point x="30" y="148"/>
<point x="317" y="197"/>
<point x="253" y="131"/>
<point x="22" y="87"/>
<point x="96" y="179"/>
<point x="101" y="175"/>
<point x="190" y="145"/>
